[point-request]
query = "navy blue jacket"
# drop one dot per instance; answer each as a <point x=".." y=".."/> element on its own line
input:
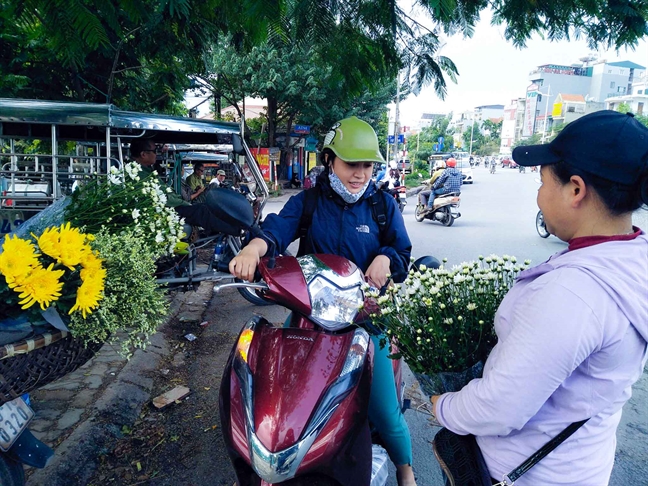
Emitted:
<point x="347" y="230"/>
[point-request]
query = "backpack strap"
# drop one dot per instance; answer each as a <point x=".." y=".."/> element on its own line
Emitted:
<point x="379" y="212"/>
<point x="310" y="203"/>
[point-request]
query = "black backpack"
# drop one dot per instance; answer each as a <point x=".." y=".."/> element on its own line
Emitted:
<point x="378" y="211"/>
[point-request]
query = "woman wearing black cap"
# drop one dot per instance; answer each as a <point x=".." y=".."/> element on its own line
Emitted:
<point x="573" y="331"/>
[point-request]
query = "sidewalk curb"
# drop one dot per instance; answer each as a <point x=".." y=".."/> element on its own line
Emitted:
<point x="120" y="404"/>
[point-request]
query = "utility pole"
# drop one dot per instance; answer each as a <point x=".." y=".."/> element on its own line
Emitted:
<point x="544" y="128"/>
<point x="396" y="126"/>
<point x="472" y="130"/>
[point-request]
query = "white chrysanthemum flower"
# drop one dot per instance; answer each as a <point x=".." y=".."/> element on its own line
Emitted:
<point x="471" y="306"/>
<point x="135" y="213"/>
<point x="385" y="311"/>
<point x="448" y="320"/>
<point x="158" y="237"/>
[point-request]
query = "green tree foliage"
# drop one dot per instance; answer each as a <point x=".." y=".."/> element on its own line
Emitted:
<point x="429" y="136"/>
<point x="299" y="85"/>
<point x="139" y="53"/>
<point x="623" y="107"/>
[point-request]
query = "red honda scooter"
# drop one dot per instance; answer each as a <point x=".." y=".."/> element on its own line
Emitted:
<point x="293" y="401"/>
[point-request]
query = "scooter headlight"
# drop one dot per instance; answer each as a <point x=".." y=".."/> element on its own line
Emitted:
<point x="334" y="308"/>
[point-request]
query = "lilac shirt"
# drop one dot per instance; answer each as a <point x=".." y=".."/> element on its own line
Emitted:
<point x="573" y="335"/>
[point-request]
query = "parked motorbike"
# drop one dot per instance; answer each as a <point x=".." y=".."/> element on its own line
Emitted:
<point x="445" y="209"/>
<point x="541" y="227"/>
<point x="238" y="223"/>
<point x="18" y="444"/>
<point x="294" y="400"/>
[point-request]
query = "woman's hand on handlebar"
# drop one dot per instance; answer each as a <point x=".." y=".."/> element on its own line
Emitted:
<point x="378" y="271"/>
<point x="245" y="263"/>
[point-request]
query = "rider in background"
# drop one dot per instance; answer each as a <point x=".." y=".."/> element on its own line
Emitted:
<point x="345" y="203"/>
<point x="449" y="181"/>
<point x="425" y="193"/>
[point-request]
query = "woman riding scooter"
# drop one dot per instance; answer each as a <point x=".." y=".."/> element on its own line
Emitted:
<point x="350" y="150"/>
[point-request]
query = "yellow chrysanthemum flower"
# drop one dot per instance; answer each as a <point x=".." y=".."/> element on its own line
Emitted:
<point x="49" y="242"/>
<point x="17" y="259"/>
<point x="88" y="296"/>
<point x="92" y="268"/>
<point x="42" y="285"/>
<point x="72" y="246"/>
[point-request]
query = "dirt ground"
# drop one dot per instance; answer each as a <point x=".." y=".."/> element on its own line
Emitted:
<point x="183" y="444"/>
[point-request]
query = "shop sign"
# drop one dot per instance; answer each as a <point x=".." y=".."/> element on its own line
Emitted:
<point x="302" y="129"/>
<point x="263" y="159"/>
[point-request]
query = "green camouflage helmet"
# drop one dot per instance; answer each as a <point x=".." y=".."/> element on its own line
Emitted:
<point x="353" y="140"/>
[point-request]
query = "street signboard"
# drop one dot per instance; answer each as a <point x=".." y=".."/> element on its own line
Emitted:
<point x="436" y="147"/>
<point x="441" y="140"/>
<point x="302" y="129"/>
<point x="390" y="139"/>
<point x="401" y="138"/>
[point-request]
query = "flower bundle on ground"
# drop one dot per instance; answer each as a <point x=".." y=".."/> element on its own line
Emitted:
<point x="59" y="268"/>
<point x="443" y="319"/>
<point x="127" y="201"/>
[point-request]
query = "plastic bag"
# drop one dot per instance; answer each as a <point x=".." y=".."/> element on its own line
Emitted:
<point x="379" y="466"/>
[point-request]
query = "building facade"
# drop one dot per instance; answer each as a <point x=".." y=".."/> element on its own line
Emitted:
<point x="556" y="78"/>
<point x="614" y="79"/>
<point x="637" y="101"/>
<point x="512" y="125"/>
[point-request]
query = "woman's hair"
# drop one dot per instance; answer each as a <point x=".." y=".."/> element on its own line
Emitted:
<point x="198" y="165"/>
<point x="326" y="157"/>
<point x="617" y="198"/>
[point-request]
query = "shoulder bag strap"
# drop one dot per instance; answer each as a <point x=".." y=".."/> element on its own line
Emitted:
<point x="541" y="453"/>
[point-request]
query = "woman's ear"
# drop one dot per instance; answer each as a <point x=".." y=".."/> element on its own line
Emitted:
<point x="578" y="190"/>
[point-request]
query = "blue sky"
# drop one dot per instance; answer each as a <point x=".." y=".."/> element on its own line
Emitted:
<point x="492" y="71"/>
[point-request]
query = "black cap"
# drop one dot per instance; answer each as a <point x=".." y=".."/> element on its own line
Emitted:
<point x="606" y="143"/>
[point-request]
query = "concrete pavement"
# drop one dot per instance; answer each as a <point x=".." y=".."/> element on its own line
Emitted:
<point x="82" y="414"/>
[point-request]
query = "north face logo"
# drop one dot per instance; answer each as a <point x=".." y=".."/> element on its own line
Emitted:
<point x="363" y="228"/>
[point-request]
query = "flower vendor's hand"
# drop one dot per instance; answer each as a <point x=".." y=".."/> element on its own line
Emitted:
<point x="245" y="263"/>
<point x="378" y="271"/>
<point x="433" y="400"/>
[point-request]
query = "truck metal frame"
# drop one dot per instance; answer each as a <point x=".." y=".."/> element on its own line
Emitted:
<point x="31" y="180"/>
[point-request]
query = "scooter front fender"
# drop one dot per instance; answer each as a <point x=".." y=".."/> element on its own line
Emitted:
<point x="29" y="450"/>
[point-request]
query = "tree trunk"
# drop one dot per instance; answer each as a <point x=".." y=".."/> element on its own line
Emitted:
<point x="272" y="121"/>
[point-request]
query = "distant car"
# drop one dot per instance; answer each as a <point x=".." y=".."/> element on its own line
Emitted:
<point x="405" y="165"/>
<point x="466" y="171"/>
<point x="506" y="162"/>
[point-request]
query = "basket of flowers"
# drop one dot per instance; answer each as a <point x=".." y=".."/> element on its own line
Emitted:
<point x="81" y="274"/>
<point x="442" y="319"/>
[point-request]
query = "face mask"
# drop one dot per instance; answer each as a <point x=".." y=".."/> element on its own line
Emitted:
<point x="338" y="186"/>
